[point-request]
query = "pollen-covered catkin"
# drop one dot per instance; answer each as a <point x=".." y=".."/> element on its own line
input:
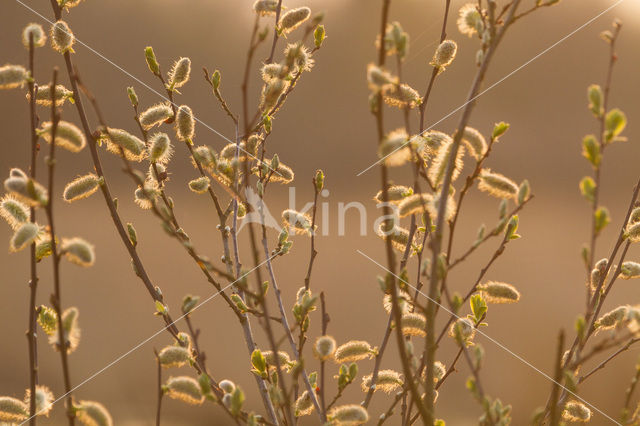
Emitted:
<point x="199" y="185"/>
<point x="576" y="411"/>
<point x="440" y="161"/>
<point x="174" y="356"/>
<point x="185" y="389"/>
<point x="12" y="76"/>
<point x="414" y="324"/>
<point x="395" y="194"/>
<point x="91" y="413"/>
<point x="43" y="95"/>
<point x="119" y="141"/>
<point x="160" y="148"/>
<point x="154" y="115"/>
<point x="497" y="185"/>
<point x="68" y="135"/>
<point x="300" y="222"/>
<point x="293" y="18"/>
<point x="414" y="204"/>
<point x="498" y="292"/>
<point x="304" y="405"/>
<point x="394" y="149"/>
<point x="324" y="347"/>
<point x="354" y="350"/>
<point x="62" y="38"/>
<point x="185" y="123"/>
<point x="13" y="410"/>
<point x="349" y="415"/>
<point x="35" y="32"/>
<point x="469" y="20"/>
<point x="13" y="211"/>
<point x="180" y="72"/>
<point x="475" y="142"/>
<point x="24" y="235"/>
<point x="628" y="270"/>
<point x="265" y="7"/>
<point x="612" y="319"/>
<point x="444" y="55"/>
<point x="81" y="187"/>
<point x="387" y="381"/>
<point x="78" y="251"/>
<point x="44" y="400"/>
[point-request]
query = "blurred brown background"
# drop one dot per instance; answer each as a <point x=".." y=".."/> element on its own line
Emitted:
<point x="326" y="124"/>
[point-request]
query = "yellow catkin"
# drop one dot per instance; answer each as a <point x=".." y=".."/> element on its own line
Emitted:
<point x="576" y="411"/>
<point x="174" y="356"/>
<point x="387" y="381"/>
<point x="394" y="149"/>
<point x="68" y="135"/>
<point x="405" y="302"/>
<point x="78" y="251"/>
<point x="395" y="194"/>
<point x="415" y="204"/>
<point x="324" y="347"/>
<point x="185" y="389"/>
<point x="496" y="184"/>
<point x="91" y="413"/>
<point x="13" y="410"/>
<point x="475" y="142"/>
<point x="119" y="141"/>
<point x="498" y="292"/>
<point x="14" y="212"/>
<point x="81" y="187"/>
<point x="439" y="164"/>
<point x="300" y="222"/>
<point x="413" y="325"/>
<point x="348" y="415"/>
<point x="354" y="350"/>
<point x="44" y="400"/>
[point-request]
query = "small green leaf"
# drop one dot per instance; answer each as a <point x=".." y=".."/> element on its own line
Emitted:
<point x="319" y="35"/>
<point x="591" y="150"/>
<point x="602" y="219"/>
<point x="478" y="306"/>
<point x="594" y="93"/>
<point x="614" y="124"/>
<point x="588" y="188"/>
<point x="258" y="361"/>
<point x="499" y="129"/>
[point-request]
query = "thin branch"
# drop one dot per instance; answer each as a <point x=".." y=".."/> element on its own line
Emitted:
<point x="56" y="297"/>
<point x="32" y="336"/>
<point x="160" y="390"/>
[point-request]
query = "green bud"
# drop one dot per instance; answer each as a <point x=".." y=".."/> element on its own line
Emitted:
<point x="215" y="79"/>
<point x="319" y="35"/>
<point x="615" y="122"/>
<point x="318" y="180"/>
<point x="150" y="56"/>
<point x="133" y="97"/>
<point x="591" y="150"/>
<point x="133" y="235"/>
<point x="588" y="188"/>
<point x="602" y="218"/>
<point x="594" y="93"/>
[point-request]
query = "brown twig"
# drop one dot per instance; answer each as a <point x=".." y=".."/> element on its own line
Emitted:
<point x="32" y="336"/>
<point x="160" y="390"/>
<point x="56" y="297"/>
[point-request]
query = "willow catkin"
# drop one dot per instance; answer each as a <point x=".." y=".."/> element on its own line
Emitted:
<point x="395" y="194"/>
<point x="35" y="32"/>
<point x="81" y="187"/>
<point x="13" y="211"/>
<point x="180" y="72"/>
<point x="293" y="18"/>
<point x="354" y="350"/>
<point x="348" y="415"/>
<point x="12" y="76"/>
<point x="185" y="123"/>
<point x="43" y="95"/>
<point x="43" y="399"/>
<point x="394" y="149"/>
<point x="387" y="381"/>
<point x="444" y="55"/>
<point x="155" y="115"/>
<point x="298" y="57"/>
<point x="628" y="269"/>
<point x="160" y="148"/>
<point x="300" y="222"/>
<point x="401" y="96"/>
<point x="62" y="38"/>
<point x="78" y="251"/>
<point x="469" y="20"/>
<point x="70" y="328"/>
<point x="119" y="141"/>
<point x="13" y="410"/>
<point x="441" y="159"/>
<point x="92" y="413"/>
<point x="304" y="405"/>
<point x="324" y="347"/>
<point x="174" y="356"/>
<point x="575" y="411"/>
<point x="496" y="184"/>
<point x="68" y="135"/>
<point x="476" y="143"/>
<point x="199" y="185"/>
<point x="405" y="302"/>
<point x="399" y="236"/>
<point x="414" y="204"/>
<point x="184" y="388"/>
<point x="24" y="235"/>
<point x="265" y="7"/>
<point x="413" y="324"/>
<point x="378" y="78"/>
<point x="498" y="292"/>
